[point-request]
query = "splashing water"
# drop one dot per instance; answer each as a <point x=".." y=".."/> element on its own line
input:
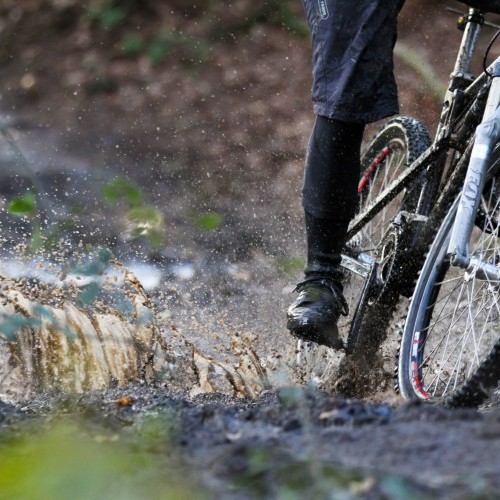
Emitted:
<point x="91" y="328"/>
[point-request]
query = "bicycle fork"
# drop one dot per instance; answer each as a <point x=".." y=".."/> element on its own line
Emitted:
<point x="487" y="135"/>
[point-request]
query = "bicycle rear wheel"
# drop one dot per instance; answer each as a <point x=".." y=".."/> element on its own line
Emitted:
<point x="449" y="348"/>
<point x="400" y="142"/>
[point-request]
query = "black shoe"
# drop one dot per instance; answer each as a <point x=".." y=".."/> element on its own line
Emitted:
<point x="313" y="316"/>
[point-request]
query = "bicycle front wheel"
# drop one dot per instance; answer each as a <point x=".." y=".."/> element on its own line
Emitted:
<point x="449" y="350"/>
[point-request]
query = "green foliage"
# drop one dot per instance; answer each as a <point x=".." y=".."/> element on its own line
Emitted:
<point x="110" y="14"/>
<point x="287" y="15"/>
<point x="284" y="14"/>
<point x="133" y="44"/>
<point x="23" y="206"/>
<point x="71" y="461"/>
<point x="289" y="266"/>
<point x="208" y="222"/>
<point x="215" y="19"/>
<point x="26" y="206"/>
<point x="143" y="220"/>
<point x="271" y="474"/>
<point x="160" y="48"/>
<point x="107" y="14"/>
<point x="146" y="221"/>
<point x="121" y="189"/>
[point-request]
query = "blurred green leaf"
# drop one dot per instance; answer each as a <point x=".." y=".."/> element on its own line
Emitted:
<point x="187" y="49"/>
<point x="23" y="206"/>
<point x="147" y="222"/>
<point x="133" y="44"/>
<point x="143" y="220"/>
<point x="209" y="222"/>
<point x="121" y="189"/>
<point x="158" y="51"/>
<point x="155" y="238"/>
<point x="147" y="215"/>
<point x="67" y="461"/>
<point x="107" y="15"/>
<point x="112" y="17"/>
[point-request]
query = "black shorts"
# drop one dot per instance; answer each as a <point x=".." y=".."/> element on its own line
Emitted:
<point x="353" y="43"/>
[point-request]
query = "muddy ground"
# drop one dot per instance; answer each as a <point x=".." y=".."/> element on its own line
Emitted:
<point x="211" y="123"/>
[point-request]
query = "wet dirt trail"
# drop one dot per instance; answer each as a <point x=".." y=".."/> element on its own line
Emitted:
<point x="217" y="148"/>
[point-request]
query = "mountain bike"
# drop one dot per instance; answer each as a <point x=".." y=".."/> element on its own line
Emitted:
<point x="428" y="227"/>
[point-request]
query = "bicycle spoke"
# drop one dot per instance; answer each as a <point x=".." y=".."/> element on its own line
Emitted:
<point x="459" y="331"/>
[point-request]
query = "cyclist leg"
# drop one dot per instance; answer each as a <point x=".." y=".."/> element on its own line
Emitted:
<point x="353" y="84"/>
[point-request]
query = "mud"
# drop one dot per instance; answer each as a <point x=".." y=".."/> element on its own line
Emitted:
<point x="302" y="441"/>
<point x="225" y="139"/>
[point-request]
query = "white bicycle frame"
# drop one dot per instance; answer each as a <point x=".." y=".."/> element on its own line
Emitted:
<point x="487" y="136"/>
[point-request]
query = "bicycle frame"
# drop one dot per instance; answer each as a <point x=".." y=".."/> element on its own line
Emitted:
<point x="462" y="87"/>
<point x="487" y="135"/>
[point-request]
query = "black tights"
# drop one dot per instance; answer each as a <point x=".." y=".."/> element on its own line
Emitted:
<point x="329" y="193"/>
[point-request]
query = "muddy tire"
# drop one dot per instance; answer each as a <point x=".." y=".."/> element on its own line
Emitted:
<point x="406" y="139"/>
<point x="450" y="349"/>
<point x="400" y="142"/>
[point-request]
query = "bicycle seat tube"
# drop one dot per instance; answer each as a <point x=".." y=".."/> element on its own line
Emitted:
<point x="462" y="72"/>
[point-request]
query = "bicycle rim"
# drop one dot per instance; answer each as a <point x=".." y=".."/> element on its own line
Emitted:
<point x="385" y="167"/>
<point x="453" y="321"/>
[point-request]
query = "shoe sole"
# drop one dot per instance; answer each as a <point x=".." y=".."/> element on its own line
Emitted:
<point x="318" y="336"/>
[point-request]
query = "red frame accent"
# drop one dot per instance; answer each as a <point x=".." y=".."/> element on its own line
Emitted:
<point x="415" y="375"/>
<point x="369" y="172"/>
